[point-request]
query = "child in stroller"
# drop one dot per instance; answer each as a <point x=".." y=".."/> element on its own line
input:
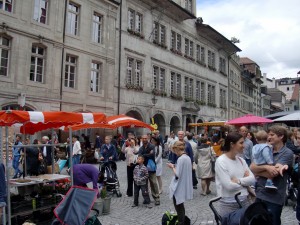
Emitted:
<point x="108" y="176"/>
<point x="254" y="214"/>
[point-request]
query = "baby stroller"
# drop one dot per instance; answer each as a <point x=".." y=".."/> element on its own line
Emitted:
<point x="76" y="207"/>
<point x="108" y="176"/>
<point x="255" y="214"/>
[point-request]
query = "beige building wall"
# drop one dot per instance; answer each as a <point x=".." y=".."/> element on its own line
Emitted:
<point x="51" y="94"/>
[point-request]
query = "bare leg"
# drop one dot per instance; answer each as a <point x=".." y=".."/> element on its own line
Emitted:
<point x="203" y="186"/>
<point x="208" y="191"/>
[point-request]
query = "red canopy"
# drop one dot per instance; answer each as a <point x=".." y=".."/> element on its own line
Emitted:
<point x="113" y="122"/>
<point x="30" y="122"/>
<point x="249" y="119"/>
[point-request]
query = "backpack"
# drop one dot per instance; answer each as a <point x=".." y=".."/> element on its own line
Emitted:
<point x="169" y="218"/>
<point x="172" y="219"/>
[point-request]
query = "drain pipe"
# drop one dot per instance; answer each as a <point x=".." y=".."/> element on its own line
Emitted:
<point x="120" y="51"/>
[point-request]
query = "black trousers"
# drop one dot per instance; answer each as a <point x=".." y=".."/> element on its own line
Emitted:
<point x="145" y="193"/>
<point x="195" y="181"/>
<point x="130" y="180"/>
<point x="180" y="211"/>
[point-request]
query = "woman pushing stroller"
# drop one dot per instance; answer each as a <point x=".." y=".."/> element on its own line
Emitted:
<point x="232" y="175"/>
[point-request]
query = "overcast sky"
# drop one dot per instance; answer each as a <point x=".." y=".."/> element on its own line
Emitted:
<point x="268" y="30"/>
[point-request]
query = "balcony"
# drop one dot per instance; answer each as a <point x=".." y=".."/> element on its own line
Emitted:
<point x="171" y="9"/>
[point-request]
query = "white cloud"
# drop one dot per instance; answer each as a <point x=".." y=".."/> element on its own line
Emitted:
<point x="269" y="31"/>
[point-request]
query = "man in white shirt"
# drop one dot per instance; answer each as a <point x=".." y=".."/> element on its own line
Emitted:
<point x="76" y="150"/>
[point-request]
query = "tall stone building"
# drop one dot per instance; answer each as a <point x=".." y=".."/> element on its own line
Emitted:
<point x="58" y="54"/>
<point x="173" y="68"/>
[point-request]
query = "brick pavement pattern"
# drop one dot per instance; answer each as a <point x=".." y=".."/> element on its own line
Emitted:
<point x="197" y="210"/>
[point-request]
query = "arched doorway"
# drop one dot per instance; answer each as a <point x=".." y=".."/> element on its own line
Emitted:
<point x="135" y="130"/>
<point x="175" y="124"/>
<point x="17" y="107"/>
<point x="200" y="130"/>
<point x="161" y="123"/>
<point x="188" y="121"/>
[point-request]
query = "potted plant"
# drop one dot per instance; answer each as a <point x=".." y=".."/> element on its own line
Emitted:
<point x="106" y="201"/>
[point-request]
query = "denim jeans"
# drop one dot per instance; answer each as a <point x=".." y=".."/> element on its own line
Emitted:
<point x="16" y="164"/>
<point x="76" y="159"/>
<point x="274" y="209"/>
<point x="145" y="193"/>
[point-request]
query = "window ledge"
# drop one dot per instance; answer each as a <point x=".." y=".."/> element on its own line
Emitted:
<point x="40" y="24"/>
<point x="73" y="36"/>
<point x="6" y="78"/>
<point x="96" y="94"/>
<point x="70" y="90"/>
<point x="35" y="84"/>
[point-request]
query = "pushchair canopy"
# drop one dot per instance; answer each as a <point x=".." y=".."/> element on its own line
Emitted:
<point x="75" y="206"/>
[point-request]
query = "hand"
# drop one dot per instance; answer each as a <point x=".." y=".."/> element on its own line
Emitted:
<point x="281" y="168"/>
<point x="272" y="171"/>
<point x="101" y="158"/>
<point x="246" y="174"/>
<point x="110" y="158"/>
<point x="234" y="180"/>
<point x="170" y="165"/>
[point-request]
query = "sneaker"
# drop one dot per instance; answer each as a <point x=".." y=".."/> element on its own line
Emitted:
<point x="157" y="202"/>
<point x="148" y="206"/>
<point x="270" y="185"/>
<point x="203" y="193"/>
<point x="134" y="205"/>
<point x="195" y="187"/>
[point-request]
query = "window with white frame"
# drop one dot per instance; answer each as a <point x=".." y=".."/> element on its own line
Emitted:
<point x="37" y="67"/>
<point x="175" y="41"/>
<point x="73" y="19"/>
<point x="159" y="33"/>
<point x="211" y="59"/>
<point x="6" y="5"/>
<point x="4" y="53"/>
<point x="159" y="78"/>
<point x="70" y="71"/>
<point x="175" y="84"/>
<point x="200" y="54"/>
<point x="97" y="28"/>
<point x="202" y="91"/>
<point x="211" y="94"/>
<point x="40" y="11"/>
<point x="95" y="77"/>
<point x="135" y="21"/>
<point x="222" y="66"/>
<point x="188" y="88"/>
<point x="134" y="72"/>
<point x="189" y="47"/>
<point x="223" y="101"/>
<point x="188" y="4"/>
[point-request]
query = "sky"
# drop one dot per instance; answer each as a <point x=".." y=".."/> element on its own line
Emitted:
<point x="268" y="30"/>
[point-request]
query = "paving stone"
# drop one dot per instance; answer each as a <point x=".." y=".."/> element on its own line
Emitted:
<point x="197" y="210"/>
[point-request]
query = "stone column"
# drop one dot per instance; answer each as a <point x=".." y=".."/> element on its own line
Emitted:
<point x="183" y="122"/>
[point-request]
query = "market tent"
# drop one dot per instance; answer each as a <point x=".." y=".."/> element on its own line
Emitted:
<point x="212" y="123"/>
<point x="113" y="122"/>
<point x="293" y="119"/>
<point x="30" y="122"/>
<point x="249" y="119"/>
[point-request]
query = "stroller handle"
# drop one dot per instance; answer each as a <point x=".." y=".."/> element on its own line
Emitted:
<point x="236" y="197"/>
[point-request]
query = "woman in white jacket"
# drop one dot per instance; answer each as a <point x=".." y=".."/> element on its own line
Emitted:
<point x="232" y="175"/>
<point x="158" y="160"/>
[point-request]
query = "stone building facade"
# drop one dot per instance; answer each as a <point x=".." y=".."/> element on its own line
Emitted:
<point x="170" y="56"/>
<point x="58" y="54"/>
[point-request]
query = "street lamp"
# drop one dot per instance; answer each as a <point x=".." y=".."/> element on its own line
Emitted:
<point x="154" y="100"/>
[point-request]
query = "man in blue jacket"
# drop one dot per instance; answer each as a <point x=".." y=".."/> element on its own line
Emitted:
<point x="108" y="151"/>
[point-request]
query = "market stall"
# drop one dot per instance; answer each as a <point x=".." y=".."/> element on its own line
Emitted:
<point x="28" y="122"/>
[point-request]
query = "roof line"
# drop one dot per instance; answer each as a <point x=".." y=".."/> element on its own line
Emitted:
<point x="185" y="10"/>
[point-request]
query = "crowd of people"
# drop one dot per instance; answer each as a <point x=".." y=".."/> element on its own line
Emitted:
<point x="249" y="162"/>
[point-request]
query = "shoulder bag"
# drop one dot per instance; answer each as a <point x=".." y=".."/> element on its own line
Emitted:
<point x="212" y="159"/>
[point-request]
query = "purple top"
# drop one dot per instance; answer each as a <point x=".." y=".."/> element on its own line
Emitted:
<point x="85" y="173"/>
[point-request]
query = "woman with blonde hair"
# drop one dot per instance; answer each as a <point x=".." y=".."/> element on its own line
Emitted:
<point x="181" y="187"/>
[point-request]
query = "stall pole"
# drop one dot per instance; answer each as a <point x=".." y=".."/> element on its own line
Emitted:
<point x="7" y="178"/>
<point x="52" y="150"/>
<point x="1" y="149"/>
<point x="71" y="156"/>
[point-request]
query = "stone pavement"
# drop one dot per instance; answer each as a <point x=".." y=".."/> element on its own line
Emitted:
<point x="197" y="209"/>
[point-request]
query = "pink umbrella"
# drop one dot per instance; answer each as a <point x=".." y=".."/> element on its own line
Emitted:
<point x="249" y="119"/>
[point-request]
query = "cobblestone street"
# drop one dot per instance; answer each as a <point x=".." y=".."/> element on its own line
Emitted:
<point x="197" y="209"/>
